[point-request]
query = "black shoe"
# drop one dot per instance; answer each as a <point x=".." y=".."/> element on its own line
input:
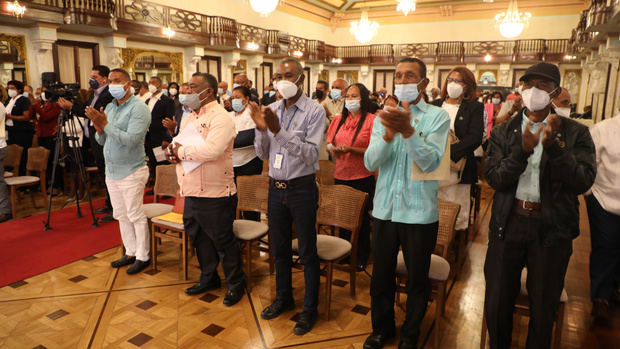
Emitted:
<point x="601" y="312"/>
<point x="125" y="260"/>
<point x="138" y="266"/>
<point x="276" y="308"/>
<point x="233" y="297"/>
<point x="407" y="344"/>
<point x="103" y="209"/>
<point x="377" y="340"/>
<point x="306" y="321"/>
<point x="201" y="287"/>
<point x="107" y="219"/>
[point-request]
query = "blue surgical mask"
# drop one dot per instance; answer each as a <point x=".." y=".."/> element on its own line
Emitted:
<point x="25" y="94"/>
<point x="220" y="91"/>
<point x="93" y="84"/>
<point x="496" y="100"/>
<point x="164" y="91"/>
<point x="117" y="91"/>
<point x="335" y="94"/>
<point x="272" y="93"/>
<point x="406" y="92"/>
<point x="353" y="105"/>
<point x="237" y="104"/>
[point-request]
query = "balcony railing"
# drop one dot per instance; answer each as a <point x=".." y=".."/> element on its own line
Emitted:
<point x="147" y="18"/>
<point x="601" y="18"/>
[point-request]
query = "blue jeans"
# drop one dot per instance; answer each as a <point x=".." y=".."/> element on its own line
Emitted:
<point x="297" y="206"/>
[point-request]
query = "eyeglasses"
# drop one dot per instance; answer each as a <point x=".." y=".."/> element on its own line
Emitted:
<point x="449" y="80"/>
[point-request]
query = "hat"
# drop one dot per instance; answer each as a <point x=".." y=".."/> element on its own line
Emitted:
<point x="545" y="70"/>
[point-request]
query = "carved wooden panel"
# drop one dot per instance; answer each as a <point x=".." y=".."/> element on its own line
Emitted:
<point x="250" y="33"/>
<point x="185" y="20"/>
<point x="144" y="12"/>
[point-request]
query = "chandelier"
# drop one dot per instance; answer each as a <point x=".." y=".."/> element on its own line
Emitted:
<point x="512" y="22"/>
<point x="364" y="30"/>
<point x="406" y="6"/>
<point x="16" y="8"/>
<point x="264" y="7"/>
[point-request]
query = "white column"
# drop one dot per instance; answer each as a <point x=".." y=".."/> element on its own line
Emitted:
<point x="42" y="37"/>
<point x="254" y="62"/>
<point x="503" y="78"/>
<point x="229" y="61"/>
<point x="112" y="46"/>
<point x="192" y="57"/>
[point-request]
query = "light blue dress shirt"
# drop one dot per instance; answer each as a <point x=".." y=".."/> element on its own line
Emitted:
<point x="528" y="188"/>
<point x="123" y="137"/>
<point x="299" y="139"/>
<point x="397" y="197"/>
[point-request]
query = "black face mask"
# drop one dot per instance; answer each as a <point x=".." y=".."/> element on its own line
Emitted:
<point x="319" y="94"/>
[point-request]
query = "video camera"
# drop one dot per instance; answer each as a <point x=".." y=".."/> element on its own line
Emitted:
<point x="67" y="91"/>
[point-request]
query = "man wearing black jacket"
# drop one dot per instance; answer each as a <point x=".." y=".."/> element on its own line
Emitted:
<point x="538" y="163"/>
<point x="99" y="98"/>
<point x="161" y="107"/>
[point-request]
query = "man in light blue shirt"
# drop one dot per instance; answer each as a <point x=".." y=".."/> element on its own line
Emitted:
<point x="121" y="129"/>
<point x="405" y="210"/>
<point x="289" y="135"/>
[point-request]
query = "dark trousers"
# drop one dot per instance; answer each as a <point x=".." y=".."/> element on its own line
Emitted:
<point x="254" y="167"/>
<point x="209" y="224"/>
<point x="418" y="242"/>
<point x="97" y="150"/>
<point x="49" y="143"/>
<point x="23" y="138"/>
<point x="605" y="255"/>
<point x="546" y="268"/>
<point x="367" y="185"/>
<point x="297" y="206"/>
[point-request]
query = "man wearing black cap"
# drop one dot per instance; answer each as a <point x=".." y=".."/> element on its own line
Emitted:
<point x="538" y="163"/>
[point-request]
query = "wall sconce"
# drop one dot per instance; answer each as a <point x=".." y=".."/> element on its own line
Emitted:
<point x="298" y="53"/>
<point x="487" y="58"/>
<point x="253" y="46"/>
<point x="167" y="31"/>
<point x="16" y="9"/>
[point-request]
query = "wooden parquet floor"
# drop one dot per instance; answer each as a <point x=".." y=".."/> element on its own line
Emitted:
<point x="88" y="304"/>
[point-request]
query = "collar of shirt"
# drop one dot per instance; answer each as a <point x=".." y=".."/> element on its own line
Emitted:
<point x="207" y="107"/>
<point x="299" y="104"/>
<point x="421" y="106"/>
<point x="100" y="90"/>
<point x="187" y="109"/>
<point x="130" y="99"/>
<point x="156" y="96"/>
<point x="535" y="125"/>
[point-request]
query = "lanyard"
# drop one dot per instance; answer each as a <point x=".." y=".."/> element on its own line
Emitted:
<point x="291" y="120"/>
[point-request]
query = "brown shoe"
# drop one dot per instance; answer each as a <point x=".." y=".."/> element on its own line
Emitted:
<point x="5" y="217"/>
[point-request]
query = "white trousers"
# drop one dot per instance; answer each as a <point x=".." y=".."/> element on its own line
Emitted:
<point x="459" y="194"/>
<point x="126" y="195"/>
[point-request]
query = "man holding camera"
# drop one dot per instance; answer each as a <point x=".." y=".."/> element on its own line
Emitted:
<point x="99" y="98"/>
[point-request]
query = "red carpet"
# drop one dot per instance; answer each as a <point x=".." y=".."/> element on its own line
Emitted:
<point x="27" y="250"/>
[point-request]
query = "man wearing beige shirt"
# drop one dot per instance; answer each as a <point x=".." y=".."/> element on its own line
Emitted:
<point x="209" y="190"/>
<point x="335" y="105"/>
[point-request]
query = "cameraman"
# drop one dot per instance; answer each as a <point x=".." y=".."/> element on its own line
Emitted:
<point x="99" y="98"/>
<point x="45" y="113"/>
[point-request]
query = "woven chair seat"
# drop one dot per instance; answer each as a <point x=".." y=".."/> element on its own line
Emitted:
<point x="155" y="209"/>
<point x="249" y="230"/>
<point x="329" y="247"/>
<point x="22" y="180"/>
<point x="168" y="224"/>
<point x="439" y="269"/>
<point x="8" y="174"/>
<point x="523" y="291"/>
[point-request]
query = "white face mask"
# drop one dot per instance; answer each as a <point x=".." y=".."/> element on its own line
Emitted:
<point x="565" y="112"/>
<point x="455" y="90"/>
<point x="12" y="93"/>
<point x="173" y="91"/>
<point x="152" y="89"/>
<point x="286" y="88"/>
<point x="192" y="100"/>
<point x="535" y="99"/>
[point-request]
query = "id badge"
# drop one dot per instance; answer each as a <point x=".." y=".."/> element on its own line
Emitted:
<point x="277" y="162"/>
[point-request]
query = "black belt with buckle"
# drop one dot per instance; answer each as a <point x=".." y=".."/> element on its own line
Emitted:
<point x="527" y="208"/>
<point x="291" y="183"/>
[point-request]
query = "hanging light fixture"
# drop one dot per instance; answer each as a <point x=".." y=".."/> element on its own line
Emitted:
<point x="264" y="7"/>
<point x="512" y="22"/>
<point x="406" y="6"/>
<point x="364" y="30"/>
<point x="16" y="8"/>
<point x="167" y="31"/>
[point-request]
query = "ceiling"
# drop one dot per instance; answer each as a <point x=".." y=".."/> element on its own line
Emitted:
<point x="338" y="13"/>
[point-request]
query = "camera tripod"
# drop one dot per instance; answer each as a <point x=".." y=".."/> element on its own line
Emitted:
<point x="73" y="151"/>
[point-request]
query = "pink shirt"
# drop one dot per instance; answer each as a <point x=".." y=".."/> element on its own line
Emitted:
<point x="350" y="166"/>
<point x="215" y="177"/>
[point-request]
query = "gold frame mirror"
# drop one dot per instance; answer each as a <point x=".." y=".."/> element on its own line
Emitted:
<point x="131" y="55"/>
<point x="19" y="43"/>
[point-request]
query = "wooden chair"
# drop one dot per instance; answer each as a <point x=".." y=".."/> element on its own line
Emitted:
<point x="13" y="158"/>
<point x="37" y="162"/>
<point x="340" y="206"/>
<point x="325" y="174"/>
<point x="440" y="267"/>
<point x="165" y="184"/>
<point x="522" y="307"/>
<point x="171" y="231"/>
<point x="252" y="193"/>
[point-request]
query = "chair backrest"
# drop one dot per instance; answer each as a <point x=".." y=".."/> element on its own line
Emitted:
<point x="325" y="174"/>
<point x="341" y="206"/>
<point x="165" y="181"/>
<point x="252" y="193"/>
<point x="448" y="212"/>
<point x="37" y="160"/>
<point x="13" y="158"/>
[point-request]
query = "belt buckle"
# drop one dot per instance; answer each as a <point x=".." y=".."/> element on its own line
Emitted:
<point x="280" y="185"/>
<point x="525" y="208"/>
